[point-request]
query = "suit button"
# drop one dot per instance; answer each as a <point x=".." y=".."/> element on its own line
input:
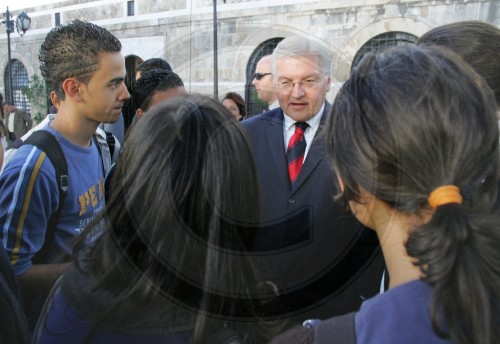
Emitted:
<point x="291" y="201"/>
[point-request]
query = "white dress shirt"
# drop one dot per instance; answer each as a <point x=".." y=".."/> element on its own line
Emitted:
<point x="274" y="105"/>
<point x="289" y="129"/>
<point x="10" y="125"/>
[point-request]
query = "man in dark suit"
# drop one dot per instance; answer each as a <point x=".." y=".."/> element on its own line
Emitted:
<point x="17" y="122"/>
<point x="323" y="261"/>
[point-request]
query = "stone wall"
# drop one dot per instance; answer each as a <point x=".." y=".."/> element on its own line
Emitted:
<point x="181" y="31"/>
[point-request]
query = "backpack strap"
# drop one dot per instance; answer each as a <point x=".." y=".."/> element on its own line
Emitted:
<point x="96" y="143"/>
<point x="49" y="144"/>
<point x="16" y="144"/>
<point x="110" y="139"/>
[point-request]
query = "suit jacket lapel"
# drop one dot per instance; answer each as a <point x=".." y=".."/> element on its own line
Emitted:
<point x="17" y="123"/>
<point x="275" y="140"/>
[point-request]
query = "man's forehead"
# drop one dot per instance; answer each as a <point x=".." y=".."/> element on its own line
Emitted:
<point x="106" y="58"/>
<point x="265" y="62"/>
<point x="306" y="59"/>
<point x="110" y="63"/>
<point x="308" y="64"/>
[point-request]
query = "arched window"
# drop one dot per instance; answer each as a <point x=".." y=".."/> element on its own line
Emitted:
<point x="19" y="79"/>
<point x="383" y="41"/>
<point x="254" y="105"/>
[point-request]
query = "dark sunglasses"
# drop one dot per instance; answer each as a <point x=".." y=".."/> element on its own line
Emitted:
<point x="259" y="76"/>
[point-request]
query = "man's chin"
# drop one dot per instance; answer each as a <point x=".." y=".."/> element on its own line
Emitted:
<point x="113" y="117"/>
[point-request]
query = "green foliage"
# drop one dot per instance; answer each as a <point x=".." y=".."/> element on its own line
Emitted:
<point x="37" y="94"/>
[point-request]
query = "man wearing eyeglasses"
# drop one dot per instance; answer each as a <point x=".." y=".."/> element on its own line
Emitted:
<point x="263" y="82"/>
<point x="314" y="251"/>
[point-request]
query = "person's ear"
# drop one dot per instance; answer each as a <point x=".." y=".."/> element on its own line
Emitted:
<point x="55" y="99"/>
<point x="72" y="89"/>
<point x="139" y="113"/>
<point x="328" y="84"/>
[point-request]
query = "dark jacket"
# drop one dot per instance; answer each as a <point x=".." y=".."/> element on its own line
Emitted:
<point x="322" y="259"/>
<point x="22" y="123"/>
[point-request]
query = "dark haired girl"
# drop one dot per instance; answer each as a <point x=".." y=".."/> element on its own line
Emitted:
<point x="236" y="104"/>
<point x="171" y="264"/>
<point x="414" y="141"/>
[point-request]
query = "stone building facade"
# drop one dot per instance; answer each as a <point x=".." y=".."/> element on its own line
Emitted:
<point x="182" y="32"/>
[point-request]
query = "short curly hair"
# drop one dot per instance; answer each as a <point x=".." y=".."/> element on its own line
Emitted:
<point x="151" y="82"/>
<point x="152" y="63"/>
<point x="72" y="50"/>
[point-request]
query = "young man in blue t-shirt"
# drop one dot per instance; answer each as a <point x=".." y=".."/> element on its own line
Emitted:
<point x="83" y="66"/>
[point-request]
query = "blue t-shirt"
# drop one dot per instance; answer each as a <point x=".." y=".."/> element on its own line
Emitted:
<point x="401" y="315"/>
<point x="64" y="325"/>
<point x="29" y="196"/>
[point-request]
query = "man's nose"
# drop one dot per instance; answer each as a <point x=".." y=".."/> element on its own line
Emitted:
<point x="298" y="90"/>
<point x="126" y="93"/>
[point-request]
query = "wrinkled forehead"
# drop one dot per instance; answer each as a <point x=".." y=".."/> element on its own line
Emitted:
<point x="288" y="66"/>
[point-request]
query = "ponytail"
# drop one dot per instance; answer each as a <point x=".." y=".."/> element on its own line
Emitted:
<point x="458" y="252"/>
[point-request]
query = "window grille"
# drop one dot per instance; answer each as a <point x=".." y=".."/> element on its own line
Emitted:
<point x="19" y="79"/>
<point x="382" y="42"/>
<point x="130" y="8"/>
<point x="57" y="19"/>
<point x="253" y="104"/>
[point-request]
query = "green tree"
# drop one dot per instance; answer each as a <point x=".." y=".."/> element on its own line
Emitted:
<point x="37" y="94"/>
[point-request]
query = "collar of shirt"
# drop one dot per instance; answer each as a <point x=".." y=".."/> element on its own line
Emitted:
<point x="274" y="105"/>
<point x="289" y="129"/>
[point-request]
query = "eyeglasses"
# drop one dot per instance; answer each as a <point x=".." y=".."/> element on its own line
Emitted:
<point x="259" y="76"/>
<point x="305" y="84"/>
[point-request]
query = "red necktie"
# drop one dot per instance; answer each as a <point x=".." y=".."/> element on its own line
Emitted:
<point x="296" y="150"/>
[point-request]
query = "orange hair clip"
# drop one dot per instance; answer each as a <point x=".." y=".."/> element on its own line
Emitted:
<point x="445" y="195"/>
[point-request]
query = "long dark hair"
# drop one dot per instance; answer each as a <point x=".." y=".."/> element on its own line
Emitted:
<point x="477" y="42"/>
<point x="240" y="102"/>
<point x="407" y="121"/>
<point x="182" y="213"/>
